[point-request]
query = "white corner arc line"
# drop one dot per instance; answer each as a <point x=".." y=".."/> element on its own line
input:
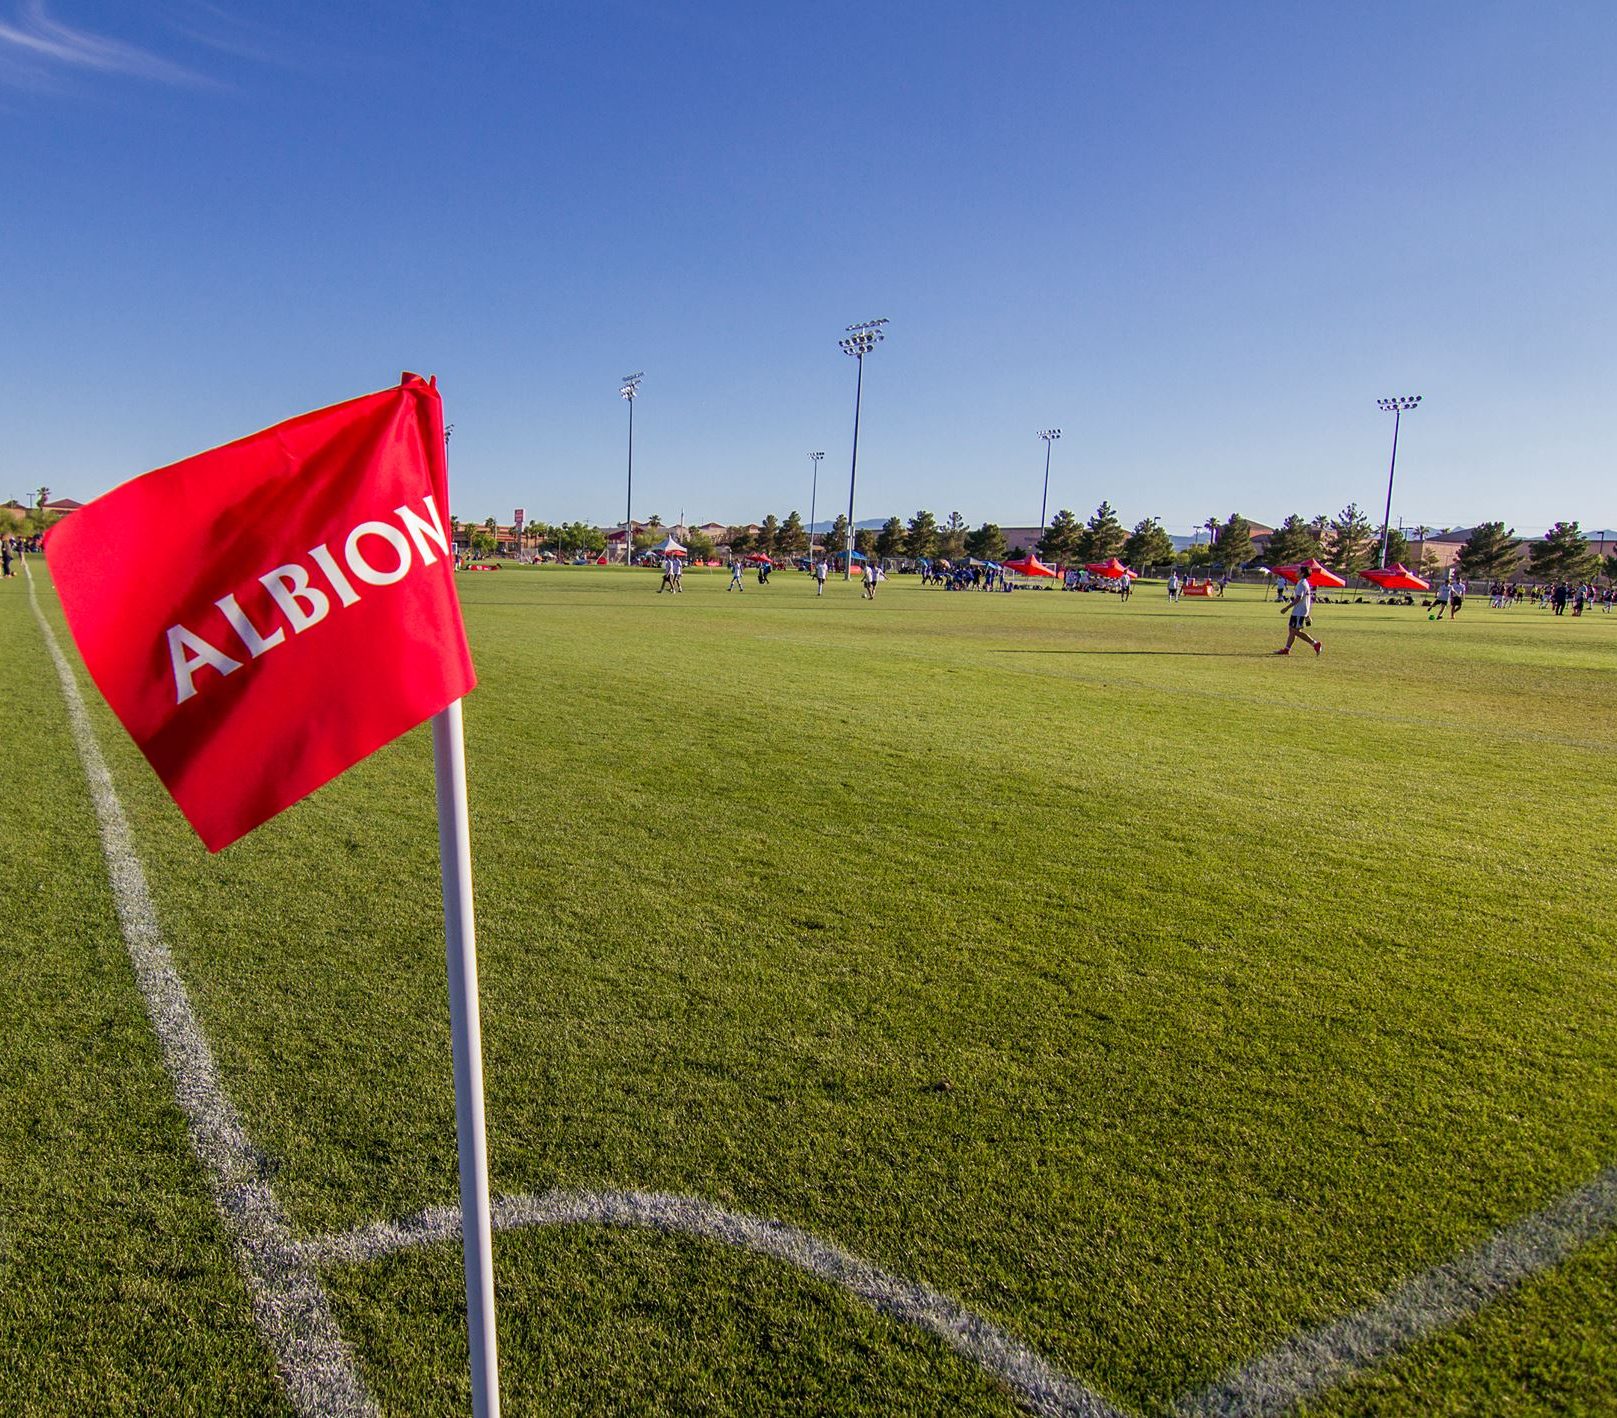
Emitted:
<point x="1322" y="1358"/>
<point x="1037" y="1384"/>
<point x="289" y="1303"/>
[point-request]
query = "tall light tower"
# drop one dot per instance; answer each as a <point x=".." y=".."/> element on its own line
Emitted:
<point x="814" y="489"/>
<point x="861" y="339"/>
<point x="631" y="387"/>
<point x="1397" y="406"/>
<point x="1049" y="435"/>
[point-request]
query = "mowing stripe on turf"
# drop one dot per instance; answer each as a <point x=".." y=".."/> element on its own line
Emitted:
<point x="1040" y="1387"/>
<point x="288" y="1300"/>
<point x="1322" y="1358"/>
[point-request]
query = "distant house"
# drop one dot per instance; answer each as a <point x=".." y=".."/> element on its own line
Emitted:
<point x="63" y="505"/>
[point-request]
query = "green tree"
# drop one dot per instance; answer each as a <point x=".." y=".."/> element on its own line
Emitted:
<point x="1293" y="541"/>
<point x="1611" y="567"/>
<point x="1103" y="535"/>
<point x="655" y="523"/>
<point x="767" y="534"/>
<point x="738" y="539"/>
<point x="1489" y="553"/>
<point x="1397" y="548"/>
<point x="1061" y="539"/>
<point x="864" y="540"/>
<point x="792" y="539"/>
<point x="836" y="540"/>
<point x="1234" y="545"/>
<point x="952" y="539"/>
<point x="1563" y="554"/>
<point x="1148" y="545"/>
<point x="922" y="537"/>
<point x="483" y="543"/>
<point x="1349" y="540"/>
<point x="987" y="543"/>
<point x="890" y="540"/>
<point x="699" y="545"/>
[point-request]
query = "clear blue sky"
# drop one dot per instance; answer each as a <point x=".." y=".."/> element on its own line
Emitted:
<point x="1200" y="238"/>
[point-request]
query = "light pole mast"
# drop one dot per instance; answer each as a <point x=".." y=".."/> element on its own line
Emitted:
<point x="1049" y="435"/>
<point x="631" y="387"/>
<point x="861" y="340"/>
<point x="1397" y="406"/>
<point x="814" y="489"/>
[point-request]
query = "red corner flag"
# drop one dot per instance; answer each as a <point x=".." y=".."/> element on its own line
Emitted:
<point x="263" y="616"/>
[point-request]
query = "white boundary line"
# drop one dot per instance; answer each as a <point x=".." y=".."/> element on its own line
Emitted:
<point x="1039" y="1385"/>
<point x="1322" y="1358"/>
<point x="288" y="1301"/>
<point x="318" y="1368"/>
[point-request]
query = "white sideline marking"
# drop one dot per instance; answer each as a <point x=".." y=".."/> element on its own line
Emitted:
<point x="1040" y="1386"/>
<point x="288" y="1301"/>
<point x="1325" y="1357"/>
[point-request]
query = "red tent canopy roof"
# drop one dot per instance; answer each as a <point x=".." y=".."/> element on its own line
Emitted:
<point x="1396" y="577"/>
<point x="1319" y="575"/>
<point x="1112" y="569"/>
<point x="1029" y="565"/>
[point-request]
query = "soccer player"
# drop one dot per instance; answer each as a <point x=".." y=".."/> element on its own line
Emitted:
<point x="1301" y="602"/>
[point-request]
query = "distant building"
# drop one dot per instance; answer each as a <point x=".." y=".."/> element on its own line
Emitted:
<point x="1025" y="537"/>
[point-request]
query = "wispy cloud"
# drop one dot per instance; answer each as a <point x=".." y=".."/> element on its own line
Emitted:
<point x="37" y="49"/>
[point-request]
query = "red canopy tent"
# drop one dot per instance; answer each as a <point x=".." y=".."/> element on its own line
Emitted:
<point x="1029" y="565"/>
<point x="758" y="558"/>
<point x="1396" y="577"/>
<point x="1316" y="573"/>
<point x="1112" y="569"/>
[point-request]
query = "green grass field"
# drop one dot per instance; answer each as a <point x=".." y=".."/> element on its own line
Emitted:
<point x="1152" y="997"/>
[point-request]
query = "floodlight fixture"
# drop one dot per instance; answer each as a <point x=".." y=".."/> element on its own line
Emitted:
<point x="1397" y="405"/>
<point x="860" y="340"/>
<point x="1049" y="435"/>
<point x="629" y="390"/>
<point x="814" y="489"/>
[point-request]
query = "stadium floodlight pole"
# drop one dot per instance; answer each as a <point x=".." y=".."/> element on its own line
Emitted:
<point x="631" y="387"/>
<point x="1049" y="435"/>
<point x="814" y="489"/>
<point x="1397" y="406"/>
<point x="861" y="339"/>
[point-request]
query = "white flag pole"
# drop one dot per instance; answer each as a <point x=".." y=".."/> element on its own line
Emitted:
<point x="466" y="1036"/>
